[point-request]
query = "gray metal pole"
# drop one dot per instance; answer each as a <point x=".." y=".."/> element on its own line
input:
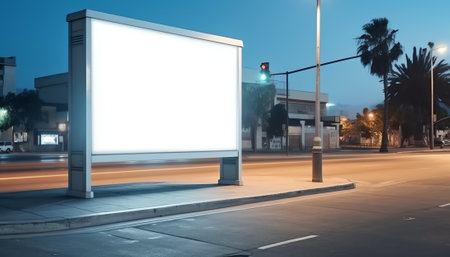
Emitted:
<point x="431" y="45"/>
<point x="287" y="113"/>
<point x="317" y="144"/>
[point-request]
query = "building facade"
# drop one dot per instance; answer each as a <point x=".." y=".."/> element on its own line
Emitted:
<point x="301" y="130"/>
<point x="7" y="75"/>
<point x="50" y="134"/>
<point x="7" y="85"/>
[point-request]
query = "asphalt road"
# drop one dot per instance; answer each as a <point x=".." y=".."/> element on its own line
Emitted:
<point x="357" y="166"/>
<point x="401" y="207"/>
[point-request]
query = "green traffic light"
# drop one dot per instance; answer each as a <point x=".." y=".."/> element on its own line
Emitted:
<point x="264" y="73"/>
<point x="263" y="77"/>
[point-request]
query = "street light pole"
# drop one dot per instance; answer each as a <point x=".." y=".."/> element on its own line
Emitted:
<point x="317" y="144"/>
<point x="431" y="45"/>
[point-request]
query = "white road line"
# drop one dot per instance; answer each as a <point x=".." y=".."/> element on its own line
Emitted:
<point x="444" y="205"/>
<point x="287" y="242"/>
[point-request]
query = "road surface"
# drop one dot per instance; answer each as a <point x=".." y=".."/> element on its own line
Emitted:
<point x="401" y="207"/>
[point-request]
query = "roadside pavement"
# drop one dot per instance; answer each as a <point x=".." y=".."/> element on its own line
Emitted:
<point x="51" y="210"/>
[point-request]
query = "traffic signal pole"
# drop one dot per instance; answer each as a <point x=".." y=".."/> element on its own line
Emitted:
<point x="317" y="148"/>
<point x="287" y="88"/>
<point x="314" y="66"/>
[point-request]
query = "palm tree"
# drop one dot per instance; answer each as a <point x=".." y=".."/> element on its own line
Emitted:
<point x="410" y="87"/>
<point x="379" y="50"/>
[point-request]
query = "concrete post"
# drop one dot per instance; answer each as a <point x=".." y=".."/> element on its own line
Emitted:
<point x="302" y="124"/>
<point x="317" y="160"/>
<point x="338" y="132"/>
<point x="259" y="133"/>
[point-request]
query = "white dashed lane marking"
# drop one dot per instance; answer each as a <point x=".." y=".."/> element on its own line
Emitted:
<point x="287" y="242"/>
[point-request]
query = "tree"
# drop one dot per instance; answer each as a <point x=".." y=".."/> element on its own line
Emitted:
<point x="23" y="109"/>
<point x="349" y="131"/>
<point x="403" y="119"/>
<point x="409" y="89"/>
<point x="443" y="119"/>
<point x="6" y="110"/>
<point x="276" y="120"/>
<point x="379" y="50"/>
<point x="370" y="123"/>
<point x="27" y="109"/>
<point x="256" y="103"/>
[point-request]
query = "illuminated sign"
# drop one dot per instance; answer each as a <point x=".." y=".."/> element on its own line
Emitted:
<point x="20" y="137"/>
<point x="49" y="139"/>
<point x="181" y="92"/>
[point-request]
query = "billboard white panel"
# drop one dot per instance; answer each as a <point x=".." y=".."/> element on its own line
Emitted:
<point x="154" y="91"/>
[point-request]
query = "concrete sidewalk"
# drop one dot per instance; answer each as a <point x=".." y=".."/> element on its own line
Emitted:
<point x="51" y="210"/>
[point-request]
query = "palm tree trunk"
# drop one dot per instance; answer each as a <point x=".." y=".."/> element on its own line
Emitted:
<point x="384" y="137"/>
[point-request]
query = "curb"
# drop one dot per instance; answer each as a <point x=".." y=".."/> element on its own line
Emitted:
<point x="104" y="218"/>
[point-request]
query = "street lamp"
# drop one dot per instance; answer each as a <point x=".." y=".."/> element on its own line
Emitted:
<point x="317" y="144"/>
<point x="440" y="49"/>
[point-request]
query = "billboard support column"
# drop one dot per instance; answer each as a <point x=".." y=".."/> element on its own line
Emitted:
<point x="230" y="171"/>
<point x="79" y="111"/>
<point x="231" y="167"/>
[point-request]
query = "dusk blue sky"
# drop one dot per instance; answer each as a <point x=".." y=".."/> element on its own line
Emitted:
<point x="281" y="32"/>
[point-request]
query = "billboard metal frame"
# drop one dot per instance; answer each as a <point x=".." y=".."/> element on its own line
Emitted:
<point x="80" y="123"/>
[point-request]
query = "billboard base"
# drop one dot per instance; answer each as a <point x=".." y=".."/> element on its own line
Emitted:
<point x="230" y="182"/>
<point x="230" y="171"/>
<point x="80" y="194"/>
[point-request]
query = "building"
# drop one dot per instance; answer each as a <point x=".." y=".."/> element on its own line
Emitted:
<point x="53" y="89"/>
<point x="51" y="133"/>
<point x="7" y="75"/>
<point x="7" y="85"/>
<point x="301" y="107"/>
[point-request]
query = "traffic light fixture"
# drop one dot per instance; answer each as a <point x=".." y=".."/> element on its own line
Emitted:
<point x="265" y="72"/>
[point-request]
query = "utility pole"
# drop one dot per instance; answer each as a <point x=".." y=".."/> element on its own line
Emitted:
<point x="431" y="45"/>
<point x="317" y="141"/>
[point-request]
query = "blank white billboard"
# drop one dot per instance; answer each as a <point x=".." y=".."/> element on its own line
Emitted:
<point x="154" y="91"/>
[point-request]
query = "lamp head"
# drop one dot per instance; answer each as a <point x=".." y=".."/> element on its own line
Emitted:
<point x="441" y="49"/>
